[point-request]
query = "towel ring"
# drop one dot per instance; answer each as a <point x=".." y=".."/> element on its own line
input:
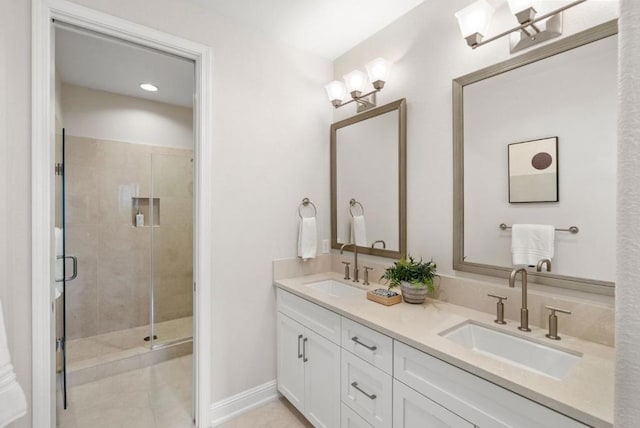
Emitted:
<point x="353" y="203"/>
<point x="305" y="203"/>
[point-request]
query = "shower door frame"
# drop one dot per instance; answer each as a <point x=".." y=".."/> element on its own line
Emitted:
<point x="42" y="160"/>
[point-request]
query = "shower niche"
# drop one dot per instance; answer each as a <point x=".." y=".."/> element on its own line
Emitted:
<point x="151" y="215"/>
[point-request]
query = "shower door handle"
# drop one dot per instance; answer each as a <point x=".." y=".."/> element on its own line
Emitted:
<point x="74" y="273"/>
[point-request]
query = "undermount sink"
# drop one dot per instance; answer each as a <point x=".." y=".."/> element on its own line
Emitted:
<point x="335" y="288"/>
<point x="525" y="353"/>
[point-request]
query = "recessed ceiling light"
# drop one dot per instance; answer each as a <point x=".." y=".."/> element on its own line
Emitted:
<point x="149" y="87"/>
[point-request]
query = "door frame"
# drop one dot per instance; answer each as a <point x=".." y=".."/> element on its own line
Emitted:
<point x="42" y="189"/>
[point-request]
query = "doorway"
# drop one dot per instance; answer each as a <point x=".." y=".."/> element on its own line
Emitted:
<point x="44" y="266"/>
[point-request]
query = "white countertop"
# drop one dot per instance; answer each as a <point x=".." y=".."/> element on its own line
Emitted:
<point x="585" y="394"/>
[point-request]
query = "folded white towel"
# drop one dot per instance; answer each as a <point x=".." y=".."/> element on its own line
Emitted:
<point x="531" y="243"/>
<point x="359" y="231"/>
<point x="307" y="238"/>
<point x="59" y="262"/>
<point x="13" y="404"/>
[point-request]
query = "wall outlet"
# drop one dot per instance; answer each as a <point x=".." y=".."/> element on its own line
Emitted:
<point x="325" y="246"/>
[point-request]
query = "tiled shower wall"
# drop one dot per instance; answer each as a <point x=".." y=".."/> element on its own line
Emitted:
<point x="116" y="261"/>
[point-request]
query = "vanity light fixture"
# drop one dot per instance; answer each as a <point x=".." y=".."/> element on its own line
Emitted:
<point x="474" y="22"/>
<point x="355" y="84"/>
<point x="149" y="87"/>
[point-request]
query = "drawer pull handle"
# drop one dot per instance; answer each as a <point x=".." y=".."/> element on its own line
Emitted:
<point x="299" y="353"/>
<point x="370" y="348"/>
<point x="304" y="350"/>
<point x="369" y="396"/>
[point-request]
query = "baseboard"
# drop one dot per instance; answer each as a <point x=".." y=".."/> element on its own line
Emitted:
<point x="240" y="403"/>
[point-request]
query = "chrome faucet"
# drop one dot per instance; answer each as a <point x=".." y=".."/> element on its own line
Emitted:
<point x="543" y="262"/>
<point x="379" y="241"/>
<point x="524" y="312"/>
<point x="355" y="260"/>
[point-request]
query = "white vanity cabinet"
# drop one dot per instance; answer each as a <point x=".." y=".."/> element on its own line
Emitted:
<point x="470" y="397"/>
<point x="308" y="363"/>
<point x="340" y="373"/>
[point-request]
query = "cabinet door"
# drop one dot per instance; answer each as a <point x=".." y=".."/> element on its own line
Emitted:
<point x="322" y="381"/>
<point x="290" y="365"/>
<point x="414" y="410"/>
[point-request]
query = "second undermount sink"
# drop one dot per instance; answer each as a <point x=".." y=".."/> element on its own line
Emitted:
<point x="335" y="288"/>
<point x="525" y="353"/>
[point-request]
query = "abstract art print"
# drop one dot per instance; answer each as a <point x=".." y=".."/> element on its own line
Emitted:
<point x="533" y="171"/>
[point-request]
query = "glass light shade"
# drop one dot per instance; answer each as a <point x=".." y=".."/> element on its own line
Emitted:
<point x="336" y="91"/>
<point x="378" y="69"/>
<point x="518" y="6"/>
<point x="475" y="18"/>
<point x="356" y="81"/>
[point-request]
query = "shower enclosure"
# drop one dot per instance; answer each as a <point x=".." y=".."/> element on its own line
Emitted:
<point x="128" y="219"/>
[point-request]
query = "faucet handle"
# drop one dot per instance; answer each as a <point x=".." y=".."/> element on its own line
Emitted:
<point x="499" y="309"/>
<point x="346" y="270"/>
<point x="553" y="321"/>
<point x="553" y="310"/>
<point x="366" y="275"/>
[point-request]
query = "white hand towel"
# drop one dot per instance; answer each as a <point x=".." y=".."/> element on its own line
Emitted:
<point x="59" y="262"/>
<point x="307" y="238"/>
<point x="531" y="243"/>
<point x="359" y="231"/>
<point x="13" y="404"/>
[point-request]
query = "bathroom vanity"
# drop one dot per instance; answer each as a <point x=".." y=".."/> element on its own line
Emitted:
<point x="345" y="361"/>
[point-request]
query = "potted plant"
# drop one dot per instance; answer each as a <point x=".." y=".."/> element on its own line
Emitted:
<point x="415" y="278"/>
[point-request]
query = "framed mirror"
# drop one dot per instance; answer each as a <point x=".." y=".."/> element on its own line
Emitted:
<point x="369" y="181"/>
<point x="535" y="143"/>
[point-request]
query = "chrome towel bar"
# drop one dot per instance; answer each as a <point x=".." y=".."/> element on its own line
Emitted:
<point x="572" y="229"/>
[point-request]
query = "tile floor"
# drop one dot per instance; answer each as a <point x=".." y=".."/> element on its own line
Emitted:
<point x="153" y="397"/>
<point x="277" y="414"/>
<point x="158" y="397"/>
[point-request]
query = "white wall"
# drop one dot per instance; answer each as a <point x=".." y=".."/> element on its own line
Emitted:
<point x="428" y="53"/>
<point x="270" y="143"/>
<point x="107" y="116"/>
<point x="573" y="97"/>
<point x="15" y="187"/>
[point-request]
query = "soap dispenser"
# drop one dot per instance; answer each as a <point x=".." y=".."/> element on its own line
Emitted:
<point x="139" y="219"/>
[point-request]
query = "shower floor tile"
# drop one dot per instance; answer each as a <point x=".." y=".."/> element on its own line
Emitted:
<point x="122" y="344"/>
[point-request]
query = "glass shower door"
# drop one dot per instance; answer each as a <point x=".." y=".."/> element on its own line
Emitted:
<point x="172" y="246"/>
<point x="61" y="272"/>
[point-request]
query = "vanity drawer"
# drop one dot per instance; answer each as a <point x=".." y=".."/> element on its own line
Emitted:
<point x="350" y="419"/>
<point x="472" y="398"/>
<point x="367" y="390"/>
<point x="321" y="320"/>
<point x="371" y="346"/>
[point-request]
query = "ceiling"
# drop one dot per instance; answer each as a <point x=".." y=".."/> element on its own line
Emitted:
<point x="97" y="62"/>
<point x="327" y="28"/>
